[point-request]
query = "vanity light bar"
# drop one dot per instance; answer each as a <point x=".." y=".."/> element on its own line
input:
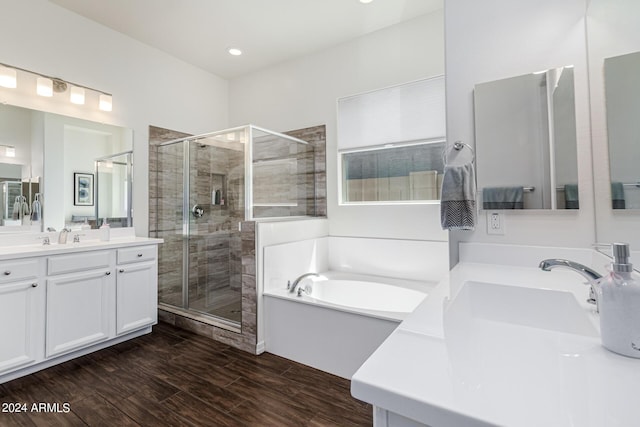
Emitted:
<point x="47" y="85"/>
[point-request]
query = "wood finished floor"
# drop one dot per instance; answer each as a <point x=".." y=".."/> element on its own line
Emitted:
<point x="173" y="377"/>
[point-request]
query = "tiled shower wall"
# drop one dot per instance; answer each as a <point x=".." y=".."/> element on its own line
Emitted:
<point x="218" y="241"/>
<point x="316" y="136"/>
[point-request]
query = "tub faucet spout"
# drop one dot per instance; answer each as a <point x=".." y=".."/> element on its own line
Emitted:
<point x="292" y="286"/>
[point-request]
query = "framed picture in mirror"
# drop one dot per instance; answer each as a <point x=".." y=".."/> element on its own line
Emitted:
<point x="82" y="189"/>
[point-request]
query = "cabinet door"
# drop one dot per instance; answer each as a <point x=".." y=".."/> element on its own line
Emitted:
<point x="21" y="324"/>
<point x="80" y="309"/>
<point x="137" y="296"/>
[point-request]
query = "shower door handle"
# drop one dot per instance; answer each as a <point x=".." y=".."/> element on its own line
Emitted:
<point x="197" y="211"/>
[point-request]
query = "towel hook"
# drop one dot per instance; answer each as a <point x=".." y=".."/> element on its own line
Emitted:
<point x="458" y="146"/>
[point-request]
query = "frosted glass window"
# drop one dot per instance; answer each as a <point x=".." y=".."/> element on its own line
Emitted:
<point x="390" y="143"/>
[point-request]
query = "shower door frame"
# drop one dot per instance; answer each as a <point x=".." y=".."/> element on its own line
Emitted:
<point x="186" y="209"/>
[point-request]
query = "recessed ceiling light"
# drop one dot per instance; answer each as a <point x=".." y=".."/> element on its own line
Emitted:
<point x="234" y="51"/>
<point x="365" y="1"/>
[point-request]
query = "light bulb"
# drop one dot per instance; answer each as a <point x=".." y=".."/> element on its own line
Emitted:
<point x="106" y="102"/>
<point x="8" y="77"/>
<point x="77" y="95"/>
<point x="44" y="86"/>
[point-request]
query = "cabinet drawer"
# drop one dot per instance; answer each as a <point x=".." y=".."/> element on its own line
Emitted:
<point x="60" y="264"/>
<point x="18" y="270"/>
<point x="136" y="254"/>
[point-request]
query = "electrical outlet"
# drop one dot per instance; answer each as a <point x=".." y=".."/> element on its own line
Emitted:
<point x="495" y="223"/>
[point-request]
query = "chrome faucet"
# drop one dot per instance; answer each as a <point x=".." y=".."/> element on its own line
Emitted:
<point x="292" y="286"/>
<point x="62" y="237"/>
<point x="584" y="271"/>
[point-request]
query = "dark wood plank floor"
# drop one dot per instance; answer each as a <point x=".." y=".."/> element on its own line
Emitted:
<point x="172" y="377"/>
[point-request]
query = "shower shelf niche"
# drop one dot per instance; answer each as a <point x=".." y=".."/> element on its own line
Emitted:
<point x="219" y="190"/>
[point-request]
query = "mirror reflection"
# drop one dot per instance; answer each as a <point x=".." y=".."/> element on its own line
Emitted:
<point x="622" y="97"/>
<point x="526" y="141"/>
<point x="114" y="189"/>
<point x="58" y="171"/>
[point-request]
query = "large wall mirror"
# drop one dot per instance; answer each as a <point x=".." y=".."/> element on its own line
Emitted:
<point x="526" y="141"/>
<point x="613" y="39"/>
<point x="622" y="94"/>
<point x="58" y="171"/>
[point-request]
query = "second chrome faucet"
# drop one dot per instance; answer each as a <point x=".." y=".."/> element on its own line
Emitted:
<point x="584" y="271"/>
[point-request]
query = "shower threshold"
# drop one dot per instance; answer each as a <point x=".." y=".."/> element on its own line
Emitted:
<point x="203" y="318"/>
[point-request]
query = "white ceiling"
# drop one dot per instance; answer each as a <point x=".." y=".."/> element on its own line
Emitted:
<point x="268" y="31"/>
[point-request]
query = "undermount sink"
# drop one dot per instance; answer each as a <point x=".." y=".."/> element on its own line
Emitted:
<point x="545" y="309"/>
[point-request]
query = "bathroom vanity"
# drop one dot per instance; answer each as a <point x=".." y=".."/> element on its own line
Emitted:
<point x="501" y="342"/>
<point x="61" y="301"/>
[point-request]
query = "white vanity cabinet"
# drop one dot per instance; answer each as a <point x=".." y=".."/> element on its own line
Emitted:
<point x="67" y="301"/>
<point x="21" y="314"/>
<point x="80" y="300"/>
<point x="136" y="288"/>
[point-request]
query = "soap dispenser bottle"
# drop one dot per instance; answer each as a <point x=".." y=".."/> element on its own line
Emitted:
<point x="105" y="231"/>
<point x="619" y="305"/>
<point x="85" y="225"/>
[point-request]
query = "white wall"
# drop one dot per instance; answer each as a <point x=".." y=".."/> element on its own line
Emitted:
<point x="494" y="39"/>
<point x="149" y="87"/>
<point x="303" y="93"/>
<point x="613" y="30"/>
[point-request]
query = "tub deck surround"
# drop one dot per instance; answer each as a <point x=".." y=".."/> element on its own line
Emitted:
<point x="337" y="332"/>
<point x="501" y="345"/>
<point x="342" y="322"/>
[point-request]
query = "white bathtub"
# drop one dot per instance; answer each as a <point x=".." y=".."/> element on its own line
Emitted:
<point x="343" y="320"/>
<point x="363" y="295"/>
<point x="384" y="297"/>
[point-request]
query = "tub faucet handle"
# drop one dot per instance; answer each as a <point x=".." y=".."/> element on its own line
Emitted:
<point x="288" y="284"/>
<point x="306" y="289"/>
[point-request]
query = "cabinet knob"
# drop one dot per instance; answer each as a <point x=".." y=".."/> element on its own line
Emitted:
<point x="6" y="273"/>
<point x="34" y="285"/>
<point x="108" y="273"/>
<point x="121" y="270"/>
<point x="139" y="255"/>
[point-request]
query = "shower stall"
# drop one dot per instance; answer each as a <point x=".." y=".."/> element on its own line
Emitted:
<point x="207" y="186"/>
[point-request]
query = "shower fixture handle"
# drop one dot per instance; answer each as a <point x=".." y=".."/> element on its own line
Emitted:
<point x="197" y="211"/>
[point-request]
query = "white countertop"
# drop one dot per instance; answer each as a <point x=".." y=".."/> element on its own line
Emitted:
<point x="28" y="245"/>
<point x="451" y="364"/>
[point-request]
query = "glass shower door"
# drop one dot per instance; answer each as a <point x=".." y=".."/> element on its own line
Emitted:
<point x="216" y="201"/>
<point x="170" y="223"/>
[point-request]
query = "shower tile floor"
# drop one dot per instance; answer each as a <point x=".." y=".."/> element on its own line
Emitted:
<point x="174" y="377"/>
